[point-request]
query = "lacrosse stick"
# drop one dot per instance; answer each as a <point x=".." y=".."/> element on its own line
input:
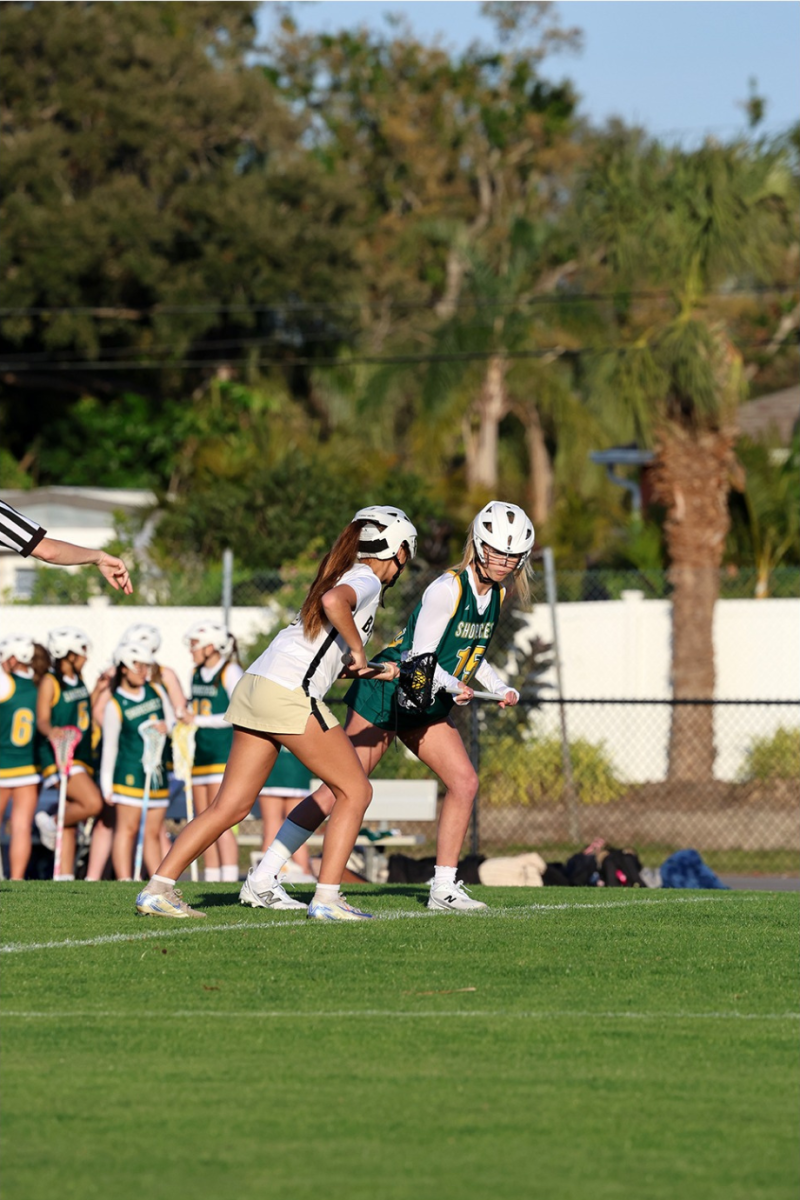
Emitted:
<point x="154" y="742"/>
<point x="416" y="681"/>
<point x="183" y="737"/>
<point x="64" y="742"/>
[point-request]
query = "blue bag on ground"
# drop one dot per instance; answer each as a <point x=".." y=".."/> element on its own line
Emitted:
<point x="686" y="869"/>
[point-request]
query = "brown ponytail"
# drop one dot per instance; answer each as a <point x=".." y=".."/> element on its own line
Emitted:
<point x="339" y="559"/>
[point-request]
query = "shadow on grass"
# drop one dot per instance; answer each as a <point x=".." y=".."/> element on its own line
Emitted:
<point x="417" y="892"/>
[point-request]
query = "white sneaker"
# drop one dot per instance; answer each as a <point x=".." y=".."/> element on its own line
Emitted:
<point x="340" y="910"/>
<point x="158" y="899"/>
<point x="453" y="897"/>
<point x="273" y="897"/>
<point x="48" y="828"/>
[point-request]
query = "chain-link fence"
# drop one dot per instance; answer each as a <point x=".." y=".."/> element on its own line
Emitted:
<point x="615" y="781"/>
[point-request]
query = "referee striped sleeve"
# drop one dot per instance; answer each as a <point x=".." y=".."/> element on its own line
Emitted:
<point x="17" y="532"/>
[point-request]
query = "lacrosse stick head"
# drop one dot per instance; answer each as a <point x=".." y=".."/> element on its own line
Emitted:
<point x="154" y="742"/>
<point x="64" y="742"/>
<point x="183" y="738"/>
<point x="416" y="681"/>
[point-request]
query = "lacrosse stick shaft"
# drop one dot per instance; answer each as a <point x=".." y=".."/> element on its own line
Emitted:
<point x="62" y="811"/>
<point x="479" y="695"/>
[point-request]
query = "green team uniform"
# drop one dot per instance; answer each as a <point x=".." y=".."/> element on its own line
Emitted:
<point x="129" y="776"/>
<point x="71" y="706"/>
<point x="211" y="746"/>
<point x="460" y="650"/>
<point x="18" y="749"/>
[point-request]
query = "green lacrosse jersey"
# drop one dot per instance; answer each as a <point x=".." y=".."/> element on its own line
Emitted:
<point x="18" y="731"/>
<point x="212" y="746"/>
<point x="460" y="650"/>
<point x="71" y="706"/>
<point x="129" y="773"/>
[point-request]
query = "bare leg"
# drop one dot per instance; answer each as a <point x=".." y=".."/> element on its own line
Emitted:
<point x="23" y="806"/>
<point x="370" y="745"/>
<point x="102" y="841"/>
<point x="153" y="824"/>
<point x="440" y="747"/>
<point x="202" y="793"/>
<point x="126" y="830"/>
<point x="250" y="761"/>
<point x="83" y="799"/>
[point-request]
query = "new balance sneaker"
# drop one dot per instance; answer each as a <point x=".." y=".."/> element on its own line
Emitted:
<point x="272" y="897"/>
<point x="46" y="824"/>
<point x="453" y="897"/>
<point x="338" y="911"/>
<point x="159" y="899"/>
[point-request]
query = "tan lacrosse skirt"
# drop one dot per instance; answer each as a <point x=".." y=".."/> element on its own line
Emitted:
<point x="267" y="707"/>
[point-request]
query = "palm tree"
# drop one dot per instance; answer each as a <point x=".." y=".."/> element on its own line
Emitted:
<point x="690" y="224"/>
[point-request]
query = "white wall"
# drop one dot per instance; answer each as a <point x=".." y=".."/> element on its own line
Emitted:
<point x="620" y="649"/>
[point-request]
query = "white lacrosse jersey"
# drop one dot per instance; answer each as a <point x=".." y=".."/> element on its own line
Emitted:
<point x="294" y="661"/>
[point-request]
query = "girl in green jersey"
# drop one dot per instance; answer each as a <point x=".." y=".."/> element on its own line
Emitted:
<point x="134" y="702"/>
<point x="19" y="773"/>
<point x="63" y="699"/>
<point x="455" y="620"/>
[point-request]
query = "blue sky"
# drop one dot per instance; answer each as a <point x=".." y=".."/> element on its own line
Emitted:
<point x="678" y="67"/>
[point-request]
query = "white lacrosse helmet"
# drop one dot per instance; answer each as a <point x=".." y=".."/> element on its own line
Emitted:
<point x="67" y="640"/>
<point x="18" y="646"/>
<point x="146" y="635"/>
<point x="504" y="528"/>
<point x="385" y="543"/>
<point x="210" y="633"/>
<point x="127" y="653"/>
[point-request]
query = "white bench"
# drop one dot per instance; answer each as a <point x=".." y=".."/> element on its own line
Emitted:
<point x="393" y="800"/>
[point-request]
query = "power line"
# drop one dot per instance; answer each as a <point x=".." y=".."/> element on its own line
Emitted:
<point x="329" y="361"/>
<point x="125" y="312"/>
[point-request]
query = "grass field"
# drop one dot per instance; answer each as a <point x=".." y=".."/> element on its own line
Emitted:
<point x="612" y="1045"/>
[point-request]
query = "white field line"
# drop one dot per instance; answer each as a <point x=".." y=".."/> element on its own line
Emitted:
<point x="183" y="930"/>
<point x="395" y="1014"/>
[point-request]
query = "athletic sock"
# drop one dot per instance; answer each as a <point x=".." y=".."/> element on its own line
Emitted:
<point x="212" y="875"/>
<point x="326" y="893"/>
<point x="230" y="872"/>
<point x="444" y="876"/>
<point x="162" y="879"/>
<point x="290" y="838"/>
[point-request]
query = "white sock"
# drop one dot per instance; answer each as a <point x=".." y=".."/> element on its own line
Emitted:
<point x="229" y="872"/>
<point x="162" y="879"/>
<point x="326" y="893"/>
<point x="444" y="876"/>
<point x="212" y="874"/>
<point x="289" y="839"/>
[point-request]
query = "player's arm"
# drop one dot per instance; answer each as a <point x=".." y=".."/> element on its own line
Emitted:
<point x="67" y="554"/>
<point x="44" y="706"/>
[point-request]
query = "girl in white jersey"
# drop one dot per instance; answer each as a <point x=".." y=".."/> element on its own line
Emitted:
<point x="280" y="702"/>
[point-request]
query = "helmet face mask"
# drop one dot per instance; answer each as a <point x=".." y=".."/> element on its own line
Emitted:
<point x="385" y="543"/>
<point x="129" y="653"/>
<point x="504" y="529"/>
<point x="209" y="633"/>
<point x="18" y="646"/>
<point x="147" y="635"/>
<point x="68" y="640"/>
